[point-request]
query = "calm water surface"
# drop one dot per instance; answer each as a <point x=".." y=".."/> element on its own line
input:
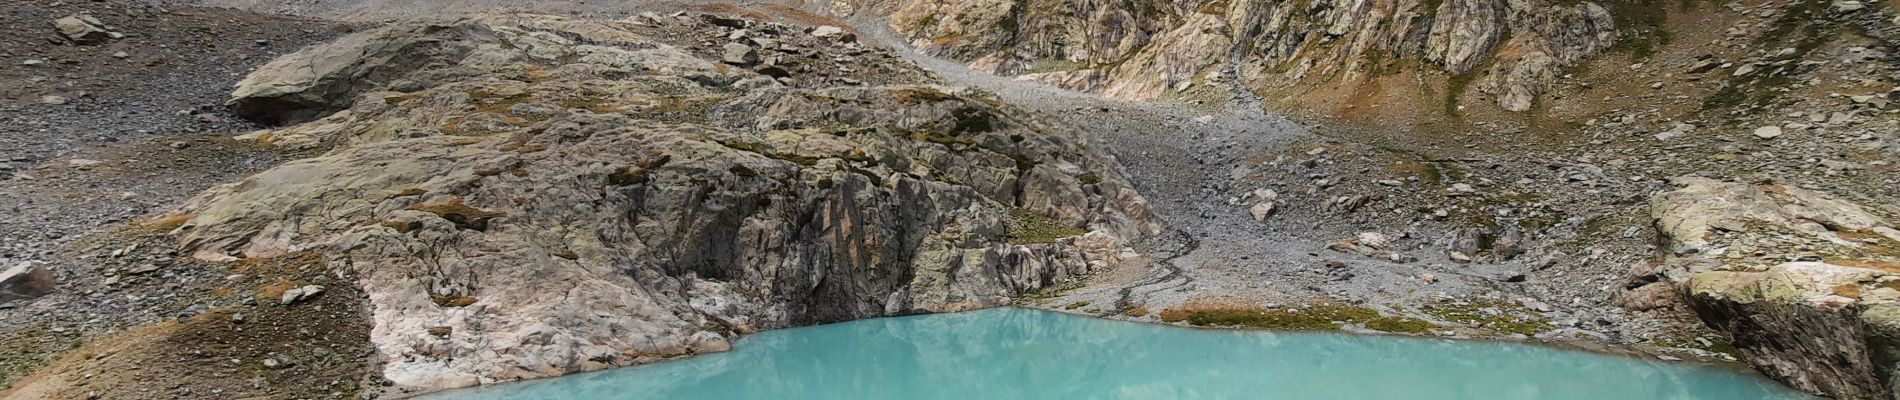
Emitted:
<point x="1010" y="353"/>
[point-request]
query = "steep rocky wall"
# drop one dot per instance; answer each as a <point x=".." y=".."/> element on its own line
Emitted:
<point x="1804" y="283"/>
<point x="1151" y="49"/>
<point x="538" y="196"/>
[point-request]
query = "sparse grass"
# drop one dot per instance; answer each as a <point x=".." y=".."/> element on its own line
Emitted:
<point x="161" y="224"/>
<point x="1089" y="178"/>
<point x="1640" y="26"/>
<point x="1027" y="226"/>
<point x="1698" y="339"/>
<point x="1455" y="89"/>
<point x="1494" y="315"/>
<point x="1808" y="26"/>
<point x="1427" y="172"/>
<point x="24" y="351"/>
<point x="1316" y="317"/>
<point x="1076" y="305"/>
<point x="1053" y="65"/>
<point x="1399" y="325"/>
<point x="274" y="291"/>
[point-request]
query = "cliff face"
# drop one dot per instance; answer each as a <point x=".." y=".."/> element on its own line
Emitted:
<point x="1803" y="282"/>
<point x="526" y="196"/>
<point x="1145" y="50"/>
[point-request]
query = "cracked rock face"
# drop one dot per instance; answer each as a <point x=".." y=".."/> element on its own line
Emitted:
<point x="527" y="196"/>
<point x="1803" y="282"/>
<point x="1146" y="50"/>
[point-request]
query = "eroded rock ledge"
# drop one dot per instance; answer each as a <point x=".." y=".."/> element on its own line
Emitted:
<point x="527" y="196"/>
<point x="1805" y="283"/>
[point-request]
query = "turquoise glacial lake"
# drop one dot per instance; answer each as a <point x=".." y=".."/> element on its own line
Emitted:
<point x="1012" y="353"/>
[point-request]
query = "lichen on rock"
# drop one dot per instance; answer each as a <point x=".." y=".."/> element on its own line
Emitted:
<point x="1799" y="280"/>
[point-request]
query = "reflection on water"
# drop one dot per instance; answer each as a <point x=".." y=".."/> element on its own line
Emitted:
<point x="1023" y="354"/>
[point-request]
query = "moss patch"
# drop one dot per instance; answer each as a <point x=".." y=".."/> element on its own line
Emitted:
<point x="1089" y="178"/>
<point x="1027" y="226"/>
<point x="27" y="349"/>
<point x="1493" y="315"/>
<point x="1399" y="325"/>
<point x="1316" y="317"/>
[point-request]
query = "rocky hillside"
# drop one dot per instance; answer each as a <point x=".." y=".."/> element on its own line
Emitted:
<point x="509" y="196"/>
<point x="521" y="196"/>
<point x="1414" y="61"/>
<point x="1147" y="50"/>
<point x="1550" y="139"/>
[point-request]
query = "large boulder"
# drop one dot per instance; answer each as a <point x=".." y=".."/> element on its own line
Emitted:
<point x="1804" y="283"/>
<point x="526" y="196"/>
<point x="25" y="281"/>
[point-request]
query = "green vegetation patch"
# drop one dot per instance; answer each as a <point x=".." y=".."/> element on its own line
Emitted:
<point x="1089" y="178"/>
<point x="1804" y="27"/>
<point x="1316" y="317"/>
<point x="1027" y="226"/>
<point x="1399" y="325"/>
<point x="28" y="349"/>
<point x="1490" y="314"/>
<point x="1699" y="339"/>
<point x="1641" y="25"/>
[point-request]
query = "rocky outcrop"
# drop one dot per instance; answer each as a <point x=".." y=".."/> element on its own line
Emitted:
<point x="1804" y="283"/>
<point x="525" y="196"/>
<point x="1144" y="50"/>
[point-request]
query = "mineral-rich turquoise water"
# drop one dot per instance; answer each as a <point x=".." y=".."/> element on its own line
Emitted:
<point x="1004" y="354"/>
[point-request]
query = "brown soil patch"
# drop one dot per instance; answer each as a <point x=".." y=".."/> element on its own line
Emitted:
<point x="316" y="348"/>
